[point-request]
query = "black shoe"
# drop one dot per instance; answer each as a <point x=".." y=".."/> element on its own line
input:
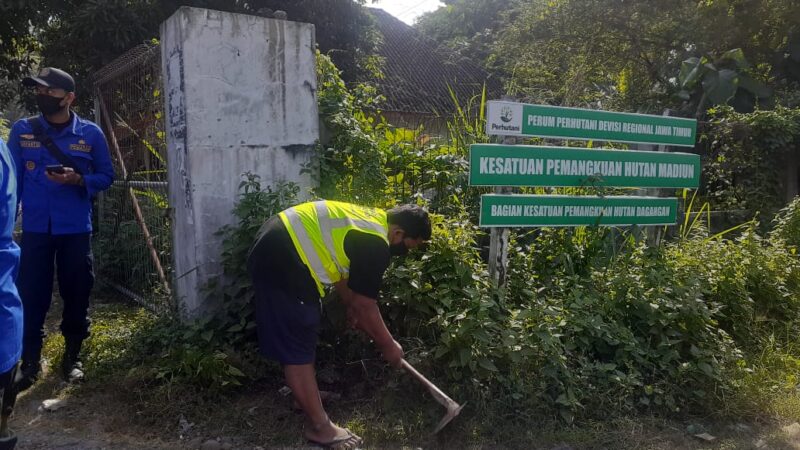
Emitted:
<point x="8" y="442"/>
<point x="73" y="373"/>
<point x="71" y="366"/>
<point x="26" y="376"/>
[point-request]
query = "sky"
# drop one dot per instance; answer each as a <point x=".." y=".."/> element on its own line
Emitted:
<point x="406" y="10"/>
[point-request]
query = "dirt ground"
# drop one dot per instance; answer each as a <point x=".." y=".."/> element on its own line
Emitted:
<point x="89" y="420"/>
<point x="107" y="414"/>
<point x="97" y="420"/>
<point x="97" y="416"/>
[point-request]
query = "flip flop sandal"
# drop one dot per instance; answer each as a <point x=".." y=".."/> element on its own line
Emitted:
<point x="340" y="442"/>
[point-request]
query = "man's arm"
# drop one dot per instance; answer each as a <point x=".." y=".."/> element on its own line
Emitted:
<point x="363" y="313"/>
<point x="103" y="174"/>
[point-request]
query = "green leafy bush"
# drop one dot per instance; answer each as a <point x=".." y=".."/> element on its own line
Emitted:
<point x="787" y="226"/>
<point x="219" y="350"/>
<point x="256" y="204"/>
<point x="746" y="157"/>
<point x="580" y="329"/>
<point x="432" y="171"/>
<point x="350" y="164"/>
<point x="4" y="130"/>
<point x="591" y="322"/>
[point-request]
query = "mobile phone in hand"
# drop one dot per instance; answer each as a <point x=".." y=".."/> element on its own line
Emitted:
<point x="55" y="168"/>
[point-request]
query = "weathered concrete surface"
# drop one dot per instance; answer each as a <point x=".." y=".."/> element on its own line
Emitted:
<point x="240" y="97"/>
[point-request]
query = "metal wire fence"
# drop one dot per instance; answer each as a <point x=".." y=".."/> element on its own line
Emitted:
<point x="133" y="240"/>
<point x="427" y="161"/>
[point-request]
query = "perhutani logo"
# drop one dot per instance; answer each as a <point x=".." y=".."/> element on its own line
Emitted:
<point x="504" y="118"/>
<point x="501" y="127"/>
<point x="506" y="114"/>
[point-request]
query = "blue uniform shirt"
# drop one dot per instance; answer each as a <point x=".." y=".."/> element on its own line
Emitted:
<point x="48" y="206"/>
<point x="10" y="304"/>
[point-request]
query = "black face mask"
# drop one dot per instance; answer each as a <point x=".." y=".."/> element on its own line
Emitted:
<point x="398" y="249"/>
<point x="48" y="105"/>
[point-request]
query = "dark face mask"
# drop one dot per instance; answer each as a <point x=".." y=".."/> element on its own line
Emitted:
<point x="48" y="105"/>
<point x="398" y="249"/>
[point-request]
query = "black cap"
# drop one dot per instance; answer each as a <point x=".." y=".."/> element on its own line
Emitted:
<point x="51" y="77"/>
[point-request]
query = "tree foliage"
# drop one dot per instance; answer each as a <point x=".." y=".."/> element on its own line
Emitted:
<point x="466" y="28"/>
<point x="723" y="80"/>
<point x="592" y="323"/>
<point x="4" y="130"/>
<point x="747" y="157"/>
<point x="81" y="36"/>
<point x="350" y="163"/>
<point x="590" y="52"/>
<point x="629" y="54"/>
<point x="17" y="44"/>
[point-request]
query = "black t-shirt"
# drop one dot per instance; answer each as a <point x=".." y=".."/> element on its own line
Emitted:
<point x="60" y="126"/>
<point x="274" y="256"/>
<point x="369" y="258"/>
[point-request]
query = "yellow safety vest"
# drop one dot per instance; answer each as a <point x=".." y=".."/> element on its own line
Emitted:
<point x="318" y="230"/>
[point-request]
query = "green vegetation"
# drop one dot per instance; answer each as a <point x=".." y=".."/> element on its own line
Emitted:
<point x="4" y="130"/>
<point x="349" y="167"/>
<point x="82" y="36"/>
<point x="593" y="323"/>
<point x="631" y="56"/>
<point x="749" y="158"/>
<point x="787" y="224"/>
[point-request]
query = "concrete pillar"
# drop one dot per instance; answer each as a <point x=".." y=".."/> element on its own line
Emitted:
<point x="239" y="97"/>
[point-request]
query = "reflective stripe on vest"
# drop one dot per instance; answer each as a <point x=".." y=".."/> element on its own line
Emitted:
<point x="306" y="247"/>
<point x="318" y="230"/>
<point x="327" y="224"/>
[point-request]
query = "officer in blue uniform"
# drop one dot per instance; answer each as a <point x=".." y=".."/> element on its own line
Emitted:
<point x="10" y="305"/>
<point x="62" y="162"/>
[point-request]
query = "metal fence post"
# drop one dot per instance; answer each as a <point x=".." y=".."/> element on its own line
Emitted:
<point x="499" y="237"/>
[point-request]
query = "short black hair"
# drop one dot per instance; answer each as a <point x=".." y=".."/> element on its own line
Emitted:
<point x="412" y="219"/>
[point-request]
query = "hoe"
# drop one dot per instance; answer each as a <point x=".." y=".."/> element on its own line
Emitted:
<point x="453" y="408"/>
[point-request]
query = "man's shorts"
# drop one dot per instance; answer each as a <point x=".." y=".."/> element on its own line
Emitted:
<point x="287" y="303"/>
<point x="287" y="325"/>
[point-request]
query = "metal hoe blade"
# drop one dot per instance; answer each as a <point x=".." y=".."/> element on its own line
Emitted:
<point x="451" y="414"/>
<point x="453" y="408"/>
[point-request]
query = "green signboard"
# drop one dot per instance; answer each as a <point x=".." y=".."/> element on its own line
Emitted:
<point x="517" y="119"/>
<point x="522" y="165"/>
<point x="559" y="210"/>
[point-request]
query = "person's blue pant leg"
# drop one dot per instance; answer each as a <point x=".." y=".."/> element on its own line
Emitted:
<point x="35" y="286"/>
<point x="74" y="269"/>
<point x="72" y="256"/>
<point x="8" y="397"/>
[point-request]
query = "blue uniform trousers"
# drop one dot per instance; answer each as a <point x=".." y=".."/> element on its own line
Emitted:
<point x="72" y="255"/>
<point x="7" y="395"/>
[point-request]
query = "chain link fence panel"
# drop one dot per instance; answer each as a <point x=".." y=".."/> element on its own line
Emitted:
<point x="133" y="237"/>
